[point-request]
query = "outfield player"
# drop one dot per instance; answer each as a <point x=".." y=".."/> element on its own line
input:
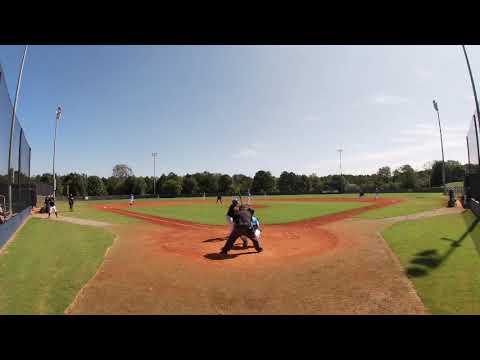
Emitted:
<point x="132" y="199"/>
<point x="219" y="198"/>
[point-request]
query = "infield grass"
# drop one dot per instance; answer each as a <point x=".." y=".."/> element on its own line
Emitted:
<point x="441" y="255"/>
<point x="275" y="212"/>
<point x="46" y="265"/>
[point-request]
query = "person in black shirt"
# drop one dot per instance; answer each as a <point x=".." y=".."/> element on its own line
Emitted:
<point x="70" y="201"/>
<point x="230" y="215"/>
<point x="219" y="198"/>
<point x="47" y="204"/>
<point x="231" y="211"/>
<point x="242" y="227"/>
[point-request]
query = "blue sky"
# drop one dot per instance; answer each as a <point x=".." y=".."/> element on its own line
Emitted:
<point x="237" y="109"/>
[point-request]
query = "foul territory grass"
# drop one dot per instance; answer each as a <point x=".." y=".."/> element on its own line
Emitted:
<point x="85" y="210"/>
<point x="412" y="204"/>
<point x="274" y="213"/>
<point x="47" y="264"/>
<point x="441" y="255"/>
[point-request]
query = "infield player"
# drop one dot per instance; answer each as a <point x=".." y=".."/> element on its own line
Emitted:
<point x="219" y="198"/>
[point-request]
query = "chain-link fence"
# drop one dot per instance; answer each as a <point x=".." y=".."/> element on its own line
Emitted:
<point x="472" y="178"/>
<point x="19" y="171"/>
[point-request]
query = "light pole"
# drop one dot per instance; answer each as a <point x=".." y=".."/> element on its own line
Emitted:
<point x="57" y="119"/>
<point x="435" y="106"/>
<point x="341" y="182"/>
<point x="154" y="157"/>
<point x="12" y="128"/>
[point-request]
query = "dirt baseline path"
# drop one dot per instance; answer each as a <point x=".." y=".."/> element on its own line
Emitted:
<point x="328" y="265"/>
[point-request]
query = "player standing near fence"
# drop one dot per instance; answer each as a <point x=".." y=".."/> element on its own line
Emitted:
<point x="132" y="199"/>
<point x="52" y="207"/>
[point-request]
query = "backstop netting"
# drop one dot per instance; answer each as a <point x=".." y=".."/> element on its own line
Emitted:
<point x="19" y="172"/>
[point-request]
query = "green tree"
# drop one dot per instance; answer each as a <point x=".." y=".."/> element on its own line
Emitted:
<point x="407" y="177"/>
<point x="263" y="181"/>
<point x="140" y="186"/>
<point x="76" y="184"/>
<point x="384" y="174"/>
<point x="206" y="181"/>
<point x="114" y="185"/>
<point x="316" y="184"/>
<point x="287" y="182"/>
<point x="454" y="171"/>
<point x="159" y="183"/>
<point x="172" y="187"/>
<point x="95" y="186"/>
<point x="224" y="183"/>
<point x="241" y="183"/>
<point x="302" y="184"/>
<point x="189" y="185"/>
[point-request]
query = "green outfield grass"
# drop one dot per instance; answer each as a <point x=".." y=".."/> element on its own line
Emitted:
<point x="441" y="255"/>
<point x="414" y="203"/>
<point x="47" y="264"/>
<point x="274" y="213"/>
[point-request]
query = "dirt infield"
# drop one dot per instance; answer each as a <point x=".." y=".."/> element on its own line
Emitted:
<point x="327" y="265"/>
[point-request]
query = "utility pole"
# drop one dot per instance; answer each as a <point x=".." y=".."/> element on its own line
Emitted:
<point x="435" y="106"/>
<point x="341" y="180"/>
<point x="57" y="119"/>
<point x="154" y="157"/>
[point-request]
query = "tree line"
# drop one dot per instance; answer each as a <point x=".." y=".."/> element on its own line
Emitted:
<point x="124" y="182"/>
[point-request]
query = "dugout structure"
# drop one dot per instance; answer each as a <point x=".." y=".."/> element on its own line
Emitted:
<point x="21" y="155"/>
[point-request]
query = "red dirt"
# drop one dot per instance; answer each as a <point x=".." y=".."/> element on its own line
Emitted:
<point x="310" y="266"/>
<point x="119" y="209"/>
<point x="201" y="241"/>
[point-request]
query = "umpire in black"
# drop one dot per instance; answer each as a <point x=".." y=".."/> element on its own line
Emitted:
<point x="242" y="226"/>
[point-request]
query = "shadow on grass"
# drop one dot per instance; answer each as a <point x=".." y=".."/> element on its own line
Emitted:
<point x="431" y="259"/>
